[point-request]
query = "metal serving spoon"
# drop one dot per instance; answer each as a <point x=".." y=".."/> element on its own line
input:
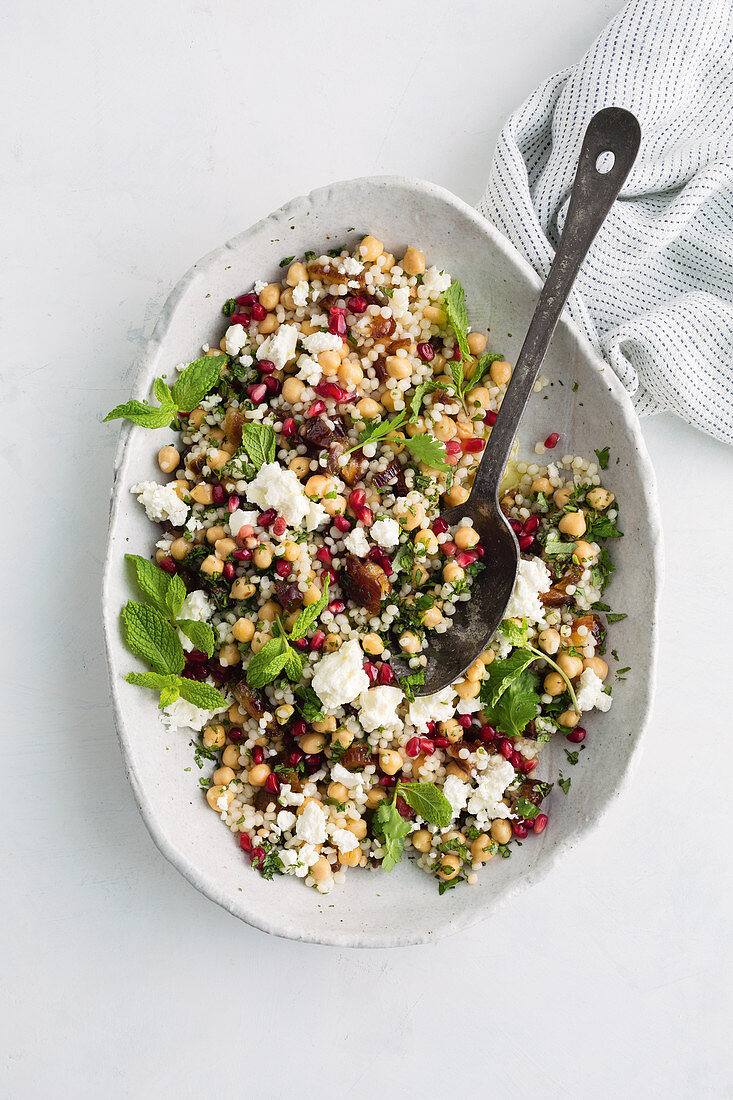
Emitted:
<point x="614" y="131"/>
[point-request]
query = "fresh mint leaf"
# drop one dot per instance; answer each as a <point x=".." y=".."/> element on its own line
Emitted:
<point x="271" y="865"/>
<point x="152" y="637"/>
<point x="526" y="809"/>
<point x="165" y="683"/>
<point x="603" y="456"/>
<point x="286" y="260"/>
<point x="454" y="301"/>
<point x="564" y="783"/>
<point x="268" y="663"/>
<point x="572" y="756"/>
<point x="293" y="667"/>
<point x="307" y="617"/>
<point x="421" y="392"/>
<point x="201" y="634"/>
<point x="258" y="443"/>
<point x="410" y="682"/>
<point x="309" y="705"/>
<point x="613" y="617"/>
<point x="391" y="828"/>
<point x="482" y="366"/>
<point x="427" y="801"/>
<point x="163" y="591"/>
<point x="429" y="450"/>
<point x="229" y="307"/>
<point x="147" y="416"/>
<point x="196" y="380"/>
<point x="554" y="546"/>
<point x="201" y="695"/>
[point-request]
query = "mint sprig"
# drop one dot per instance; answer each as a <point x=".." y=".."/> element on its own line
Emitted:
<point x="454" y="300"/>
<point x="278" y="655"/>
<point x="427" y="800"/>
<point x="190" y="387"/>
<point x="172" y="687"/>
<point x="151" y="636"/>
<point x="258" y="446"/>
<point x="201" y="635"/>
<point x="165" y="592"/>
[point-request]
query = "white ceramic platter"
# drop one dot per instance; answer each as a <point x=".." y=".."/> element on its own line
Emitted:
<point x="373" y="909"/>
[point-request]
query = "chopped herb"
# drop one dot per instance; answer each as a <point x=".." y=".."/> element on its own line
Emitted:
<point x="286" y="260"/>
<point x="602" y="457"/>
<point x="564" y="783"/>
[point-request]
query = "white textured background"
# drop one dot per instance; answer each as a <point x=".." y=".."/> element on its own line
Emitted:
<point x="135" y="137"/>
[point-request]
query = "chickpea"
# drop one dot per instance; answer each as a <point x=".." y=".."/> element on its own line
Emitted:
<point x="236" y="715"/>
<point x="329" y="361"/>
<point x="501" y="831"/>
<point x="332" y="643"/>
<point x="571" y="666"/>
<point x="223" y="776"/>
<point x="350" y="374"/>
<point x="215" y="459"/>
<point x="487" y="656"/>
<point x="270" y="296"/>
<point x="213" y="737"/>
<point x="212" y="566"/>
<point x="466" y="537"/>
<point x="312" y="743"/>
<point x="214" y="534"/>
<point x="196" y="418"/>
<point x="409" y="642"/>
<point x="229" y="655"/>
<point x="452" y="572"/>
<point x="168" y="459"/>
<point x="444" y="428"/>
<point x="432" y="618"/>
<point x="292" y="551"/>
<point x="427" y="539"/>
<point x="479" y="397"/>
<point x="395" y="442"/>
<point x="390" y="762"/>
<point x="416" y="427"/>
<point x="338" y="792"/>
<point x="476" y="343"/>
<point x="242" y="589"/>
<point x="549" y="640"/>
<point x="372" y="644"/>
<point x="389" y="399"/>
<point x="292" y="390"/>
<point x="465" y="427"/>
<point x="475" y="672"/>
<point x="358" y="827"/>
<point x="296" y="273"/>
<point x="203" y="493"/>
<point x="260" y="638"/>
<point x="368" y="408"/>
<point x="562" y="496"/>
<point x="268" y="324"/>
<point x="179" y="549"/>
<point x="284" y="713"/>
<point x="422" y="840"/>
<point x="413" y="261"/>
<point x="482" y="849"/>
<point x="542" y="485"/>
<point x="318" y="485"/>
<point x="468" y="689"/>
<point x="258" y="775"/>
<point x="500" y="372"/>
<point x="224" y="547"/>
<point x="597" y="665"/>
<point x="215" y="793"/>
<point x="573" y="524"/>
<point x="350" y="859"/>
<point x="419" y="574"/>
<point x="375" y="795"/>
<point x="398" y="366"/>
<point x="599" y="498"/>
<point x="452" y="729"/>
<point x="300" y="465"/>
<point x="321" y="870"/>
<point x="569" y="719"/>
<point x="370" y="248"/>
<point x="413" y="517"/>
<point x="230" y="756"/>
<point x="269" y="611"/>
<point x="305" y="802"/>
<point x="553" y="684"/>
<point x="456" y="495"/>
<point x="584" y="552"/>
<point x="342" y="737"/>
<point x="456" y="770"/>
<point x="286" y="300"/>
<point x="434" y="314"/>
<point x="262" y="557"/>
<point x="311" y="595"/>
<point x="448" y="867"/>
<point x="328" y="725"/>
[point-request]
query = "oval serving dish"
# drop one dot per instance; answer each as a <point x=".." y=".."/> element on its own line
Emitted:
<point x="379" y="910"/>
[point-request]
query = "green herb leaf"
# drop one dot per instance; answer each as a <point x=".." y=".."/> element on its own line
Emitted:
<point x="426" y="448"/>
<point x="517" y="635"/>
<point x="258" y="443"/>
<point x="564" y="783"/>
<point x="293" y="667"/>
<point x="310" y="706"/>
<point x="267" y="663"/>
<point x="525" y="808"/>
<point x="147" y="416"/>
<point x="554" y="546"/>
<point x="421" y="393"/>
<point x="152" y="637"/>
<point x="376" y="430"/>
<point x="427" y="801"/>
<point x="454" y="300"/>
<point x="517" y="705"/>
<point x="615" y="618"/>
<point x="602" y="457"/>
<point x="201" y="695"/>
<point x="482" y="366"/>
<point x="391" y="828"/>
<point x="229" y="307"/>
<point x="500" y="675"/>
<point x="196" y="380"/>
<point x="286" y="260"/>
<point x="409" y="683"/>
<point x="165" y="683"/>
<point x="271" y="865"/>
<point x="165" y="592"/>
<point x="309" y="614"/>
<point x="201" y="634"/>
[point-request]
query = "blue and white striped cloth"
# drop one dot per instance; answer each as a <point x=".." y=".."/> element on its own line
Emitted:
<point x="655" y="295"/>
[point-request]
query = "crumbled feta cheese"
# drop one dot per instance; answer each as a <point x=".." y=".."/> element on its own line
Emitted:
<point x="485" y="801"/>
<point x="235" y="338"/>
<point x="307" y="856"/>
<point x="311" y="826"/>
<point x="285" y="820"/>
<point x="456" y="791"/>
<point x="309" y="370"/>
<point x="222" y="803"/>
<point x="350" y="266"/>
<point x="386" y="532"/>
<point x="432" y="708"/>
<point x="339" y="677"/>
<point x="280" y="347"/>
<point x="344" y="840"/>
<point x="259" y="286"/>
<point x="278" y="488"/>
<point x="241" y="518"/>
<point x="161" y="502"/>
<point x="198" y="607"/>
<point x="469" y="706"/>
<point x="288" y="858"/>
<point x="300" y="293"/>
<point x="351" y="780"/>
<point x="356" y="542"/>
<point x="246" y="360"/>
<point x="289" y="797"/>
<point x="181" y="714"/>
<point x="322" y="341"/>
<point x="589" y="692"/>
<point x="378" y="708"/>
<point x="400" y="301"/>
<point x="533" y="578"/>
<point x="435" y="282"/>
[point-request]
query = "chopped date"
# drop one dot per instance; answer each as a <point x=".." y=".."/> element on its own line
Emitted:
<point x="328" y="273"/>
<point x="534" y="790"/>
<point x="249" y="700"/>
<point x="357" y="756"/>
<point x="557" y="595"/>
<point x="355" y="467"/>
<point x="364" y="582"/>
<point x="288" y="594"/>
<point x="393" y="476"/>
<point x="317" y="433"/>
<point x="232" y="426"/>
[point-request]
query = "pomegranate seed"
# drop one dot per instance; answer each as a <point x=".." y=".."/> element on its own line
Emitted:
<point x="540" y="823"/>
<point x="531" y="525"/>
<point x="337" y="324"/>
<point x="480" y="550"/>
<point x="426" y="351"/>
<point x="506" y="748"/>
<point x="427" y="746"/>
<point x="386" y="674"/>
<point x="519" y="829"/>
<point x="466" y="557"/>
<point x="490" y="418"/>
<point x="245" y="842"/>
<point x="272" y="783"/>
<point x="330" y="389"/>
<point x="528" y="766"/>
<point x="242" y="555"/>
<point x="464" y="720"/>
<point x="457" y="354"/>
<point x="371" y="670"/>
<point x="473" y="445"/>
<point x="299" y="728"/>
<point x="552" y="440"/>
<point x="283" y="568"/>
<point x="312" y="764"/>
<point x="218" y="495"/>
<point x="525" y="541"/>
<point x="341" y="524"/>
<point x="357" y="497"/>
<point x="315" y="409"/>
<point x="301" y="643"/>
<point x="516" y="760"/>
<point x="402" y="808"/>
<point x="168" y="565"/>
<point x="576" y="736"/>
<point x="196" y="655"/>
<point x="488" y="733"/>
<point x="257" y="855"/>
<point x="412" y="748"/>
<point x="331" y="574"/>
<point x="236" y="735"/>
<point x="295" y="757"/>
<point x="258" y="312"/>
<point x="324" y="555"/>
<point x="274" y="385"/>
<point x="233" y="503"/>
<point x="247" y="299"/>
<point x="449" y="549"/>
<point x="357" y="305"/>
<point x="432" y="727"/>
<point x="439" y="526"/>
<point x="228" y="572"/>
<point x="337" y="607"/>
<point x="289" y="428"/>
<point x="316" y="643"/>
<point x="365" y="516"/>
<point x="280" y="526"/>
<point x="265" y="366"/>
<point x="258" y="754"/>
<point x="515" y="526"/>
<point x="441" y="742"/>
<point x="242" y="319"/>
<point x="387" y="781"/>
<point x="267" y="518"/>
<point x="257" y="392"/>
<point x="453" y="447"/>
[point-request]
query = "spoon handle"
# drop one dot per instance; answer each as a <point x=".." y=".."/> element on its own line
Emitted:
<point x="613" y="130"/>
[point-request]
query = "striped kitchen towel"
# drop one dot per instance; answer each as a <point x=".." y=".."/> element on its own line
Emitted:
<point x="655" y="294"/>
